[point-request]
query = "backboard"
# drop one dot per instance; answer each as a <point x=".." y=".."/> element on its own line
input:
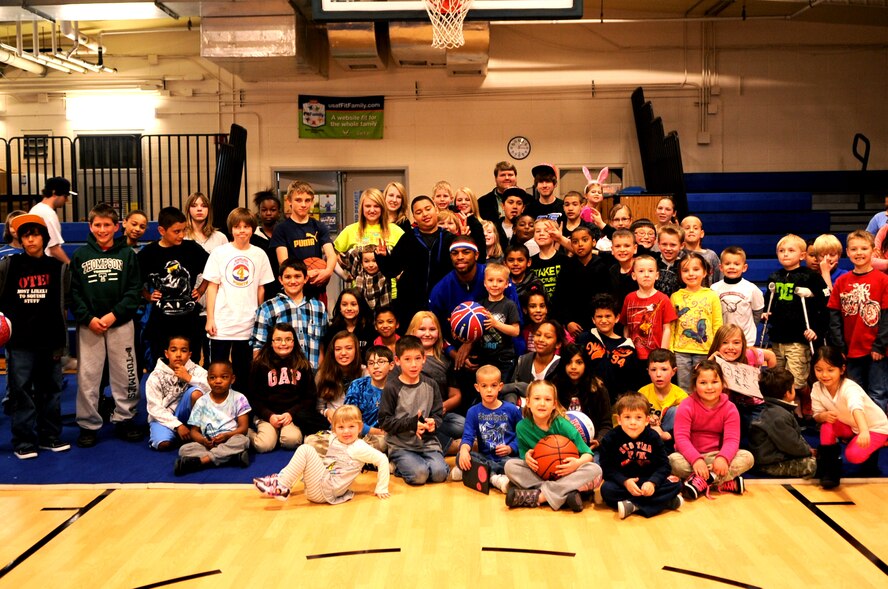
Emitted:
<point x="381" y="10"/>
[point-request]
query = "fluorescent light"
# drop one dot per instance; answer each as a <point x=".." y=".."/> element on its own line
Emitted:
<point x="111" y="110"/>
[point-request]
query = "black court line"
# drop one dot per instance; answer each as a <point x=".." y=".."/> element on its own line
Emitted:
<point x="351" y="553"/>
<point x="832" y="503"/>
<point x="58" y="530"/>
<point x="180" y="579"/>
<point x="838" y="529"/>
<point x="711" y="577"/>
<point x="60" y="509"/>
<point x="528" y="551"/>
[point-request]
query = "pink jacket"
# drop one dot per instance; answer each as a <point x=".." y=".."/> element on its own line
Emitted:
<point x="699" y="430"/>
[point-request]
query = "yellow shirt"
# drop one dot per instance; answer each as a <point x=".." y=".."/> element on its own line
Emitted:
<point x="672" y="399"/>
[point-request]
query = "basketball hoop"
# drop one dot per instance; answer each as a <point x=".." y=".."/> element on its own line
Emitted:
<point x="447" y="21"/>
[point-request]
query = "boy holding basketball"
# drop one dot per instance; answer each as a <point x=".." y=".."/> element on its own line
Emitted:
<point x="635" y="465"/>
<point x="301" y="237"/>
<point x="410" y="411"/>
<point x="492" y="424"/>
<point x="503" y="322"/>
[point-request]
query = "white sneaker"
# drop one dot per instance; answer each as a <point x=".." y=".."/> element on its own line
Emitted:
<point x="455" y="474"/>
<point x="500" y="481"/>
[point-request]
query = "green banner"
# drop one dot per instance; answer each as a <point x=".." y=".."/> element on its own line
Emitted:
<point x="332" y="117"/>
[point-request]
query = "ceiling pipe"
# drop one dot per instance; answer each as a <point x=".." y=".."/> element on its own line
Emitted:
<point x="71" y="31"/>
<point x="10" y="58"/>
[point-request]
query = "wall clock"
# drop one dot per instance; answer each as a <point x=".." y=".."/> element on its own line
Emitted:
<point x="519" y="147"/>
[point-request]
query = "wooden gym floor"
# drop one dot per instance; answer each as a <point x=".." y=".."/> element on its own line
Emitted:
<point x="194" y="536"/>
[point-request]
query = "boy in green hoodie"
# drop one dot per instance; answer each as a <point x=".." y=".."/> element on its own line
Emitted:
<point x="105" y="289"/>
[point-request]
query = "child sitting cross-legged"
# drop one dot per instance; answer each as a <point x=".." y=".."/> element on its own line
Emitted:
<point x="219" y="423"/>
<point x="636" y="468"/>
<point x="707" y="437"/>
<point x="410" y="412"/>
<point x="171" y="390"/>
<point x="491" y="424"/>
<point x="663" y="396"/>
<point x="365" y="392"/>
<point x="775" y="437"/>
<point x="543" y="416"/>
<point x="327" y="480"/>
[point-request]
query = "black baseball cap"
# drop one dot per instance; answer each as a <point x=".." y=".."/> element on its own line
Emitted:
<point x="541" y="169"/>
<point x="58" y="186"/>
<point x="515" y="191"/>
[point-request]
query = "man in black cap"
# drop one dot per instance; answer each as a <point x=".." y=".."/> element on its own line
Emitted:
<point x="514" y="201"/>
<point x="491" y="204"/>
<point x="55" y="195"/>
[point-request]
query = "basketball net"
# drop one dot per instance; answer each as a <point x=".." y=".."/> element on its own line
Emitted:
<point x="447" y="18"/>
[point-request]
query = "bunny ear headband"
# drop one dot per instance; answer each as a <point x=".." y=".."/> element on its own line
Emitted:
<point x="602" y="175"/>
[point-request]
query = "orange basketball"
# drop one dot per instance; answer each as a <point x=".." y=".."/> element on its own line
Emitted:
<point x="316" y="264"/>
<point x="550" y="452"/>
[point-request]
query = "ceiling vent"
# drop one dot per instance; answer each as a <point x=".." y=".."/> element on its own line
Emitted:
<point x="412" y="47"/>
<point x="261" y="40"/>
<point x="354" y="46"/>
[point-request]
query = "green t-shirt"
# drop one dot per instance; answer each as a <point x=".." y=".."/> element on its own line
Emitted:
<point x="529" y="434"/>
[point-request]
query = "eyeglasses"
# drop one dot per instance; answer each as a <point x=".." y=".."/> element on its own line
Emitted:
<point x="282" y="340"/>
<point x="381" y="362"/>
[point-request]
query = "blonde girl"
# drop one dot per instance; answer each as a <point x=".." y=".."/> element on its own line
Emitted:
<point x="327" y="480"/>
<point x="372" y="227"/>
<point x="707" y="437"/>
<point x="450" y="221"/>
<point x="199" y="223"/>
<point x="396" y="205"/>
<point x="543" y="416"/>
<point x="467" y="203"/>
<point x="491" y="240"/>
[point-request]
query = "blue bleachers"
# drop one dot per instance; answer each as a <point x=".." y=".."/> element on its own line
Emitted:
<point x="774" y="222"/>
<point x="715" y="202"/>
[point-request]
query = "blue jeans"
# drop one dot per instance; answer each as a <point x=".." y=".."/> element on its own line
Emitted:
<point x="416" y="468"/>
<point x="35" y="391"/>
<point x="686" y="363"/>
<point x="872" y="378"/>
<point x="158" y="433"/>
<point x="450" y="429"/>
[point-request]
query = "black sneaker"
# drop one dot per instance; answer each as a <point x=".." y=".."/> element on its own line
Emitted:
<point x="574" y="501"/>
<point x="55" y="445"/>
<point x="87" y="438"/>
<point x="516" y="497"/>
<point x="25" y="452"/>
<point x="186" y="465"/>
<point x="676" y="502"/>
<point x="243" y="459"/>
<point x="129" y="431"/>
<point x="626" y="508"/>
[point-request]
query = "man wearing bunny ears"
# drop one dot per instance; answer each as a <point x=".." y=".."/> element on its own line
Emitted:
<point x="545" y="179"/>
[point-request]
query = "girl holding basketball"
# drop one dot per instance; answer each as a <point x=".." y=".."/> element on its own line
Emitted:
<point x="707" y="437"/>
<point x="544" y="416"/>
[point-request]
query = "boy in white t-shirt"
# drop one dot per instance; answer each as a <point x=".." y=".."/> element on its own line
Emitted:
<point x="236" y="273"/>
<point x="741" y="300"/>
